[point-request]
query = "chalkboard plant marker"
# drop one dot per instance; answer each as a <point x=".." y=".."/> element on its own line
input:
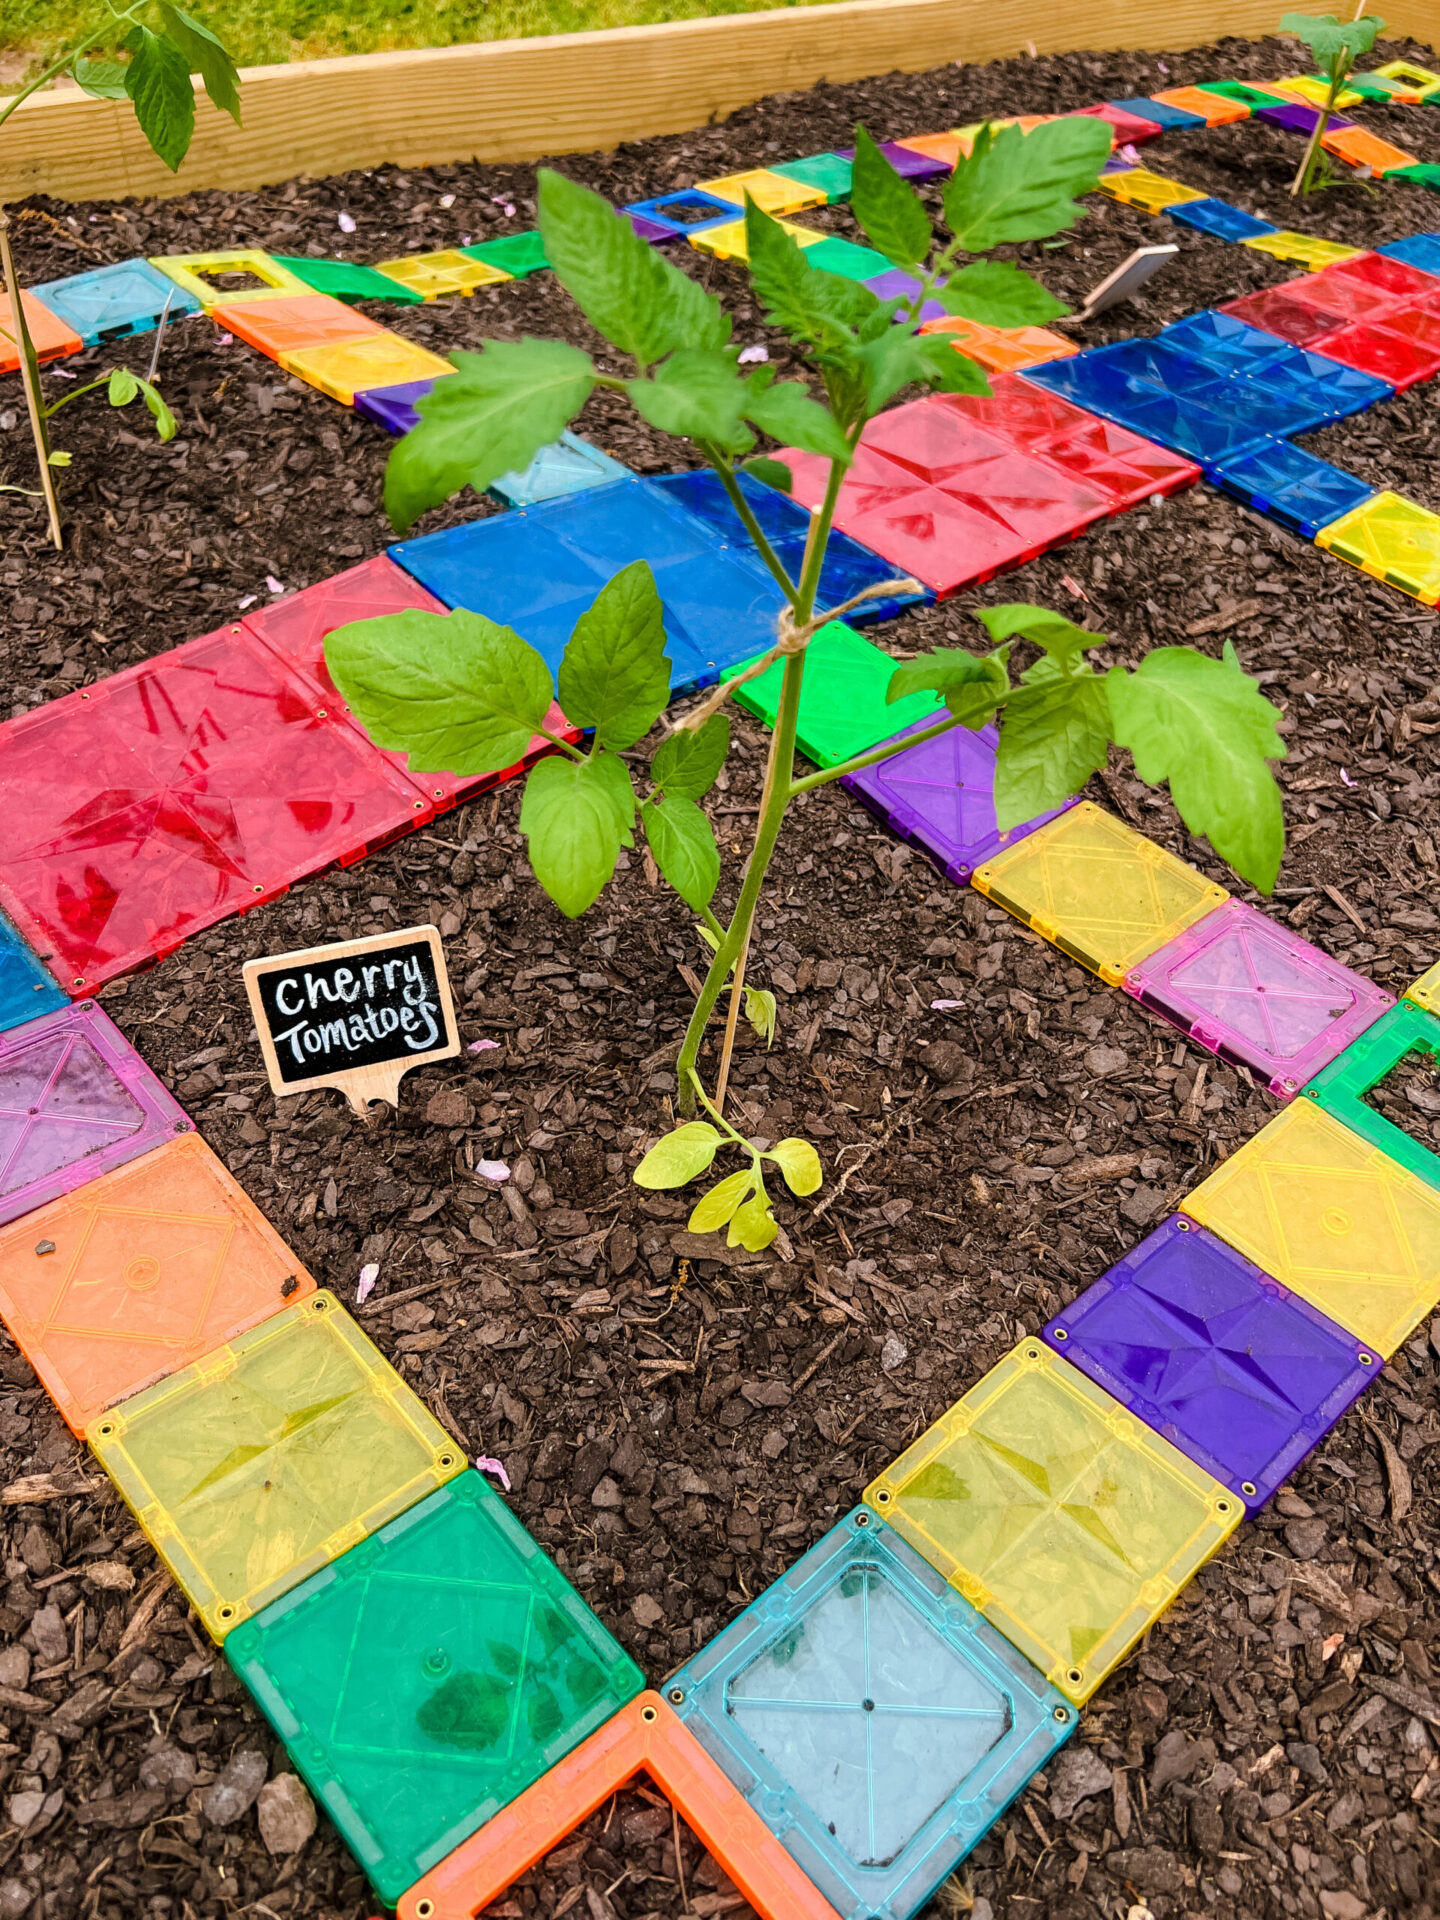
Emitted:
<point x="357" y="1015"/>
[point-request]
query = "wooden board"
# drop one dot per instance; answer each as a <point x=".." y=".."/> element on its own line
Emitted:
<point x="570" y="93"/>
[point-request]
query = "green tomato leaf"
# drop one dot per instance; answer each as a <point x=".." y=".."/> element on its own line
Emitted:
<point x="123" y="387"/>
<point x="158" y="83"/>
<point x="1327" y="37"/>
<point x="696" y="394"/>
<point x="786" y="411"/>
<point x="1205" y="726"/>
<point x="752" y="1225"/>
<point x="771" y="473"/>
<point x="626" y="288"/>
<point x="615" y="674"/>
<point x="453" y="690"/>
<point x="687" y="763"/>
<point x="948" y="368"/>
<point x="1053" y="735"/>
<point x="800" y="1164"/>
<point x="205" y="55"/>
<point x="575" y="819"/>
<point x="101" y="79"/>
<point x="810" y="306"/>
<point x="887" y="208"/>
<point x="683" y="843"/>
<point x="971" y="685"/>
<point x="491" y="416"/>
<point x="997" y="294"/>
<point x="720" y="1203"/>
<point x="679" y="1156"/>
<point x="1061" y="639"/>
<point x="762" y="1012"/>
<point x="1024" y="186"/>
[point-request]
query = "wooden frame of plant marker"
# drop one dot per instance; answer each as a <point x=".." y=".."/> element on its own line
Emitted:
<point x="368" y="1002"/>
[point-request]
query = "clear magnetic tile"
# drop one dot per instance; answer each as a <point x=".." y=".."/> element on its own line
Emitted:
<point x="1112" y="382"/>
<point x="428" y="1676"/>
<point x="1358" y="148"/>
<point x="1247" y="989"/>
<point x="1292" y="486"/>
<point x="1243" y="1377"/>
<point x="1221" y="219"/>
<point x="26" y="988"/>
<point x="1278" y="311"/>
<point x="1253" y="97"/>
<point x="76" y="1100"/>
<point x="270" y="1457"/>
<point x="1060" y="1515"/>
<point x="1315" y="88"/>
<point x="111" y="303"/>
<point x="568" y="465"/>
<point x="843" y="710"/>
<point x="1298" y="116"/>
<point x="1127" y="129"/>
<point x="908" y="162"/>
<point x="1406" y="1036"/>
<point x="379" y="360"/>
<point x="873" y="1719"/>
<point x="1425" y="992"/>
<point x="1098" y="890"/>
<point x="1333" y="1219"/>
<point x="1401" y="347"/>
<point x="138" y="1272"/>
<point x="1393" y="539"/>
<point x="199" y="273"/>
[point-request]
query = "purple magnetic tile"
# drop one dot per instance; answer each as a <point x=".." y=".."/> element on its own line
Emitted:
<point x="651" y="230"/>
<point x="940" y="797"/>
<point x="75" y="1100"/>
<point x="1239" y="1373"/>
<point x="896" y="284"/>
<point x="1245" y="988"/>
<point x="393" y="407"/>
<point x="907" y="162"/>
<point x="1300" y="118"/>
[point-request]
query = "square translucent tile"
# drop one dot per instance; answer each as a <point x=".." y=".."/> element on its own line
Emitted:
<point x="1366" y="287"/>
<point x="1221" y="219"/>
<point x="876" y="1723"/>
<point x="1332" y="1218"/>
<point x="1243" y="1377"/>
<point x="1164" y="113"/>
<point x="1277" y="310"/>
<point x="1098" y="890"/>
<point x="1245" y="988"/>
<point x="76" y="1100"/>
<point x="1292" y="486"/>
<point x="1151" y="192"/>
<point x="293" y="324"/>
<point x="728" y="241"/>
<point x="188" y="270"/>
<point x="774" y="193"/>
<point x="1425" y="992"/>
<point x="824" y="170"/>
<point x="348" y="280"/>
<point x="1212" y="108"/>
<point x="1392" y="539"/>
<point x="1301" y="247"/>
<point x="26" y="988"/>
<point x="1233" y="347"/>
<point x="380" y="360"/>
<point x="153" y="1265"/>
<point x="1063" y="1518"/>
<point x="945" y="147"/>
<point x="50" y="336"/>
<point x="428" y="1676"/>
<point x="843" y="709"/>
<point x="1341" y="1086"/>
<point x="1401" y="347"/>
<point x="1253" y="97"/>
<point x="270" y="1457"/>
<point x="447" y="271"/>
<point x="1315" y="88"/>
<point x="515" y="254"/>
<point x="908" y="162"/>
<point x="843" y="257"/>
<point x="112" y="303"/>
<point x="1361" y="149"/>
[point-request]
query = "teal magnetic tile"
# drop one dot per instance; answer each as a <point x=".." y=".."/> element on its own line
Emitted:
<point x="568" y="465"/>
<point x="828" y="171"/>
<point x="111" y="303"/>
<point x="26" y="989"/>
<point x="842" y="698"/>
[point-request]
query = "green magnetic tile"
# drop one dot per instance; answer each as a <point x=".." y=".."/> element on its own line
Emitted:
<point x="1332" y="1218"/>
<point x="1426" y="174"/>
<point x="842" y="697"/>
<point x="1057" y="1513"/>
<point x="1098" y="890"/>
<point x="1243" y="95"/>
<point x="846" y="259"/>
<point x="514" y="253"/>
<point x="827" y="171"/>
<point x="1341" y="1087"/>
<point x="252" y="1468"/>
<point x="1425" y="991"/>
<point x="346" y="280"/>
<point x="429" y="1676"/>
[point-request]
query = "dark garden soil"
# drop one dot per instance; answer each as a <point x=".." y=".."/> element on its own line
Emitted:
<point x="680" y="1423"/>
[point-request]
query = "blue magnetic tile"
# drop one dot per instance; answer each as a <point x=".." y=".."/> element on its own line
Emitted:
<point x="1220" y="218"/>
<point x="1240" y="1374"/>
<point x="848" y="567"/>
<point x="1418" y="250"/>
<point x="875" y="1722"/>
<point x="393" y="407"/>
<point x="111" y="303"/>
<point x="537" y="569"/>
<point x="670" y="210"/>
<point x="1159" y="112"/>
<point x="1292" y="486"/>
<point x="568" y="466"/>
<point x="26" y="989"/>
<point x="1238" y="350"/>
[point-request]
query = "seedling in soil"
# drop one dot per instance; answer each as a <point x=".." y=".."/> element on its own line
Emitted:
<point x="461" y="692"/>
<point x="1336" y="46"/>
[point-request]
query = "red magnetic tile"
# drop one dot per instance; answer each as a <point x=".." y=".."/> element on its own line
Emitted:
<point x="1403" y="348"/>
<point x="1128" y="128"/>
<point x="1365" y="288"/>
<point x="1020" y="411"/>
<point x="174" y="794"/>
<point x="1278" y="311"/>
<point x="282" y="324"/>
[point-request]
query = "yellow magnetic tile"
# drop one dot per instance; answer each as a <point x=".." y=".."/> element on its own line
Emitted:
<point x="729" y="243"/>
<point x="187" y="271"/>
<point x="771" y="192"/>
<point x="267" y="1459"/>
<point x="1425" y="991"/>
<point x="1306" y="86"/>
<point x="1213" y="108"/>
<point x="1051" y="1508"/>
<point x="1361" y="149"/>
<point x="1098" y="890"/>
<point x="1424" y="82"/>
<point x="1392" y="539"/>
<point x="1332" y="1218"/>
<point x="1303" y="247"/>
<point x="1151" y="192"/>
<point x="449" y="271"/>
<point x="353" y="366"/>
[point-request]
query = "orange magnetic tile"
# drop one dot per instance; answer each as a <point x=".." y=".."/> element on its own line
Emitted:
<point x="645" y="1737"/>
<point x="139" y="1273"/>
<point x="1362" y="149"/>
<point x="1002" y="349"/>
<point x="966" y="135"/>
<point x="939" y="146"/>
<point x="49" y="334"/>
<point x="288" y="324"/>
<point x="1213" y="108"/>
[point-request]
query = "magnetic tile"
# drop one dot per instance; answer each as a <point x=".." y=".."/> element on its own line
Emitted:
<point x="773" y="193"/>
<point x="394" y="408"/>
<point x="426" y="1677"/>
<point x="293" y="323"/>
<point x="1292" y="486"/>
<point x="27" y="989"/>
<point x="1126" y="129"/>
<point x="50" y="336"/>
<point x="1002" y="349"/>
<point x="1253" y="97"/>
<point x="1057" y="1513"/>
<point x="1151" y="192"/>
<point x="940" y="797"/>
<point x="1368" y="86"/>
<point x="347" y="280"/>
<point x="1368" y="286"/>
<point x="1098" y="890"/>
<point x="896" y="284"/>
<point x="1277" y="311"/>
<point x="1243" y="1377"/>
<point x="688" y="211"/>
<point x="1420" y="250"/>
<point x="1361" y="149"/>
<point x="76" y="1101"/>
<point x="111" y="303"/>
<point x="1250" y="354"/>
<point x="842" y="698"/>
<point x="1246" y="988"/>
<point x="1213" y="108"/>
<point x="1125" y="467"/>
<point x="1425" y="992"/>
<point x="537" y="569"/>
<point x="729" y="240"/>
<point x="270" y="1457"/>
<point x="1392" y="539"/>
<point x="514" y="254"/>
<point x="1161" y="112"/>
<point x="567" y="465"/>
<point x="380" y="360"/>
<point x="1401" y="347"/>
<point x="646" y="1740"/>
<point x="1298" y="117"/>
<point x="824" y="170"/>
<point x="197" y="274"/>
<point x="907" y="161"/>
<point x="175" y="793"/>
<point x="1315" y="88"/>
<point x="447" y="271"/>
<point x="1115" y="382"/>
<point x="651" y="231"/>
<point x="871" y="1717"/>
<point x="1427" y="174"/>
<point x="847" y="569"/>
<point x="1025" y="122"/>
<point x="1421" y="78"/>
<point x="945" y="147"/>
<point x="1333" y="1219"/>
<point x="1340" y="1086"/>
<point x="1302" y="247"/>
<point x="1221" y="219"/>
<point x="833" y="255"/>
<point x="154" y="1265"/>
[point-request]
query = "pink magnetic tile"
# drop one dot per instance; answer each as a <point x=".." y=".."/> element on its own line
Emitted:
<point x="175" y="793"/>
<point x="1402" y="348"/>
<point x="1246" y="989"/>
<point x="1128" y="129"/>
<point x="75" y="1100"/>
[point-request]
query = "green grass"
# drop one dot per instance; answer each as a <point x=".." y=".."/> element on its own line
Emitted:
<point x="262" y="32"/>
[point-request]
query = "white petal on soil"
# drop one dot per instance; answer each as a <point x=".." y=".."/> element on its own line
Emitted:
<point x="945" y="1006"/>
<point x="368" y="1276"/>
<point x="482" y="1046"/>
<point x="485" y="1464"/>
<point x="346" y="223"/>
<point x="495" y="1170"/>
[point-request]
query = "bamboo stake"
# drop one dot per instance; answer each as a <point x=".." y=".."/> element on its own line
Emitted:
<point x="30" y="377"/>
